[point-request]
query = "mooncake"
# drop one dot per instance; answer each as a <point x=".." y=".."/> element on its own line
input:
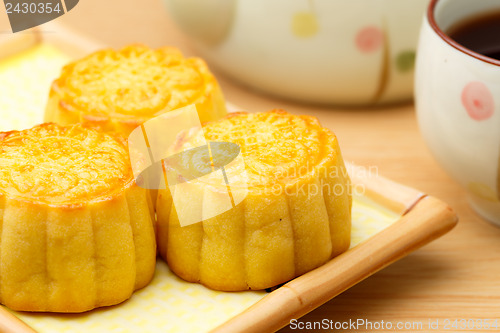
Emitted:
<point x="76" y="231"/>
<point x="119" y="90"/>
<point x="295" y="216"/>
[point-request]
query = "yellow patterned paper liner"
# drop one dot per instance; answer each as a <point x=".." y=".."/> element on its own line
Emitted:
<point x="25" y="82"/>
<point x="168" y="303"/>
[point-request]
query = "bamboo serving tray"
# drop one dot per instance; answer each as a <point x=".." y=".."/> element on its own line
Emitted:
<point x="389" y="221"/>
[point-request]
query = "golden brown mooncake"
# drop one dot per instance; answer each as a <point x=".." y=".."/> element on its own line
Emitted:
<point x="295" y="217"/>
<point x="76" y="231"/>
<point x="119" y="90"/>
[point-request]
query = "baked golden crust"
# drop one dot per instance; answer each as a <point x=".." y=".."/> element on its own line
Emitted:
<point x="295" y="217"/>
<point x="77" y="232"/>
<point x="119" y="90"/>
<point x="60" y="165"/>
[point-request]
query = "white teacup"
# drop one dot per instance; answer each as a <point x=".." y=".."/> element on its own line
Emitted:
<point x="457" y="93"/>
<point x="349" y="52"/>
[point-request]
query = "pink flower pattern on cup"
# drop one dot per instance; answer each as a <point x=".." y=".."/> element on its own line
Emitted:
<point x="369" y="39"/>
<point x="478" y="100"/>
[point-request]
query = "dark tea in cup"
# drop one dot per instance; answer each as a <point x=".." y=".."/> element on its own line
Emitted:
<point x="480" y="34"/>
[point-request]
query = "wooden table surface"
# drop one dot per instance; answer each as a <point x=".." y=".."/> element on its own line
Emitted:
<point x="455" y="277"/>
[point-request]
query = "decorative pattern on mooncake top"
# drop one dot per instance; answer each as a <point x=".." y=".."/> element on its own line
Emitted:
<point x="296" y="214"/>
<point x="119" y="90"/>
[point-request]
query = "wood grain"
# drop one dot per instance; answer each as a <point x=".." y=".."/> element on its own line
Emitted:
<point x="14" y="43"/>
<point x="396" y="197"/>
<point x="11" y="324"/>
<point x="427" y="220"/>
<point x="72" y="43"/>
